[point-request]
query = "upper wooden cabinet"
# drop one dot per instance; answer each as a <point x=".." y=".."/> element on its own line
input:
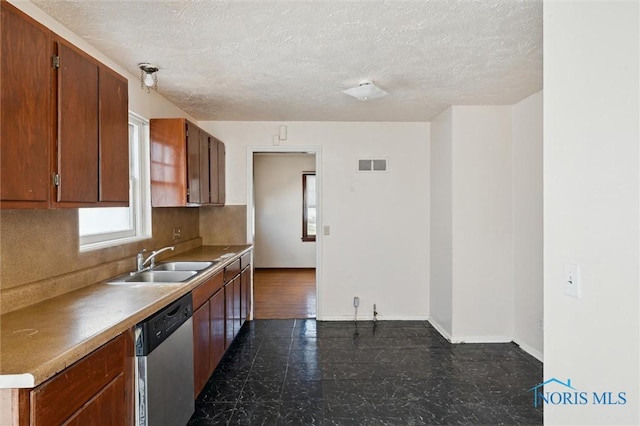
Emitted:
<point x="187" y="165"/>
<point x="64" y="122"/>
<point x="92" y="131"/>
<point x="25" y="111"/>
<point x="113" y="138"/>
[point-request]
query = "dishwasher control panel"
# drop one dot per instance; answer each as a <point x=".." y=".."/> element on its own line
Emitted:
<point x="155" y="329"/>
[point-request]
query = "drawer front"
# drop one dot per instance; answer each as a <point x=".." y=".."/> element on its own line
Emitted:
<point x="204" y="291"/>
<point x="58" y="398"/>
<point x="231" y="270"/>
<point x="245" y="260"/>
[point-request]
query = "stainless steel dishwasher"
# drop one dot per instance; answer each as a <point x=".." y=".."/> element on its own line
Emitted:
<point x="164" y="366"/>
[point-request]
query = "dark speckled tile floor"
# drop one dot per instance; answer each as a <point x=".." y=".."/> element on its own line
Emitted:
<point x="303" y="372"/>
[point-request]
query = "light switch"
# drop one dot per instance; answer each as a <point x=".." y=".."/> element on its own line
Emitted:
<point x="327" y="230"/>
<point x="572" y="285"/>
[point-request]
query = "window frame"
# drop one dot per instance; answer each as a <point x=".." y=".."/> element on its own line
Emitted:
<point x="139" y="194"/>
<point x="306" y="237"/>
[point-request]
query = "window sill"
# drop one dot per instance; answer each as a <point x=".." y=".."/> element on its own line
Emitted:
<point x="112" y="243"/>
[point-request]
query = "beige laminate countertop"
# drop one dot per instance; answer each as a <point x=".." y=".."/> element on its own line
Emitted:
<point x="41" y="340"/>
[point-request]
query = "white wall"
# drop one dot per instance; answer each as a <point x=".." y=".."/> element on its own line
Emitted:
<point x="379" y="243"/>
<point x="482" y="270"/>
<point x="441" y="194"/>
<point x="591" y="204"/>
<point x="152" y="105"/>
<point x="526" y="128"/>
<point x="278" y="211"/>
<point x="486" y="223"/>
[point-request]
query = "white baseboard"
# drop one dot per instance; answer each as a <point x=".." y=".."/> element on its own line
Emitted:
<point x="440" y="329"/>
<point x="463" y="339"/>
<point x="370" y="318"/>
<point x="530" y="350"/>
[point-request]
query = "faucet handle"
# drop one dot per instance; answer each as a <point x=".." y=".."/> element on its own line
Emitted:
<point x="140" y="260"/>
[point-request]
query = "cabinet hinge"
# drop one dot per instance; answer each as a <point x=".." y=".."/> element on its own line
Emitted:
<point x="56" y="179"/>
<point x="188" y="192"/>
<point x="56" y="61"/>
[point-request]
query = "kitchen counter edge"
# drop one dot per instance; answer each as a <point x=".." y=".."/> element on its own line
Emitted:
<point x="46" y="362"/>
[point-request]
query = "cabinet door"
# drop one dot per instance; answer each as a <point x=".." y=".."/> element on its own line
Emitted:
<point x="106" y="408"/>
<point x="168" y="162"/>
<point x="25" y="111"/>
<point x="62" y="396"/>
<point x="77" y="92"/>
<point x="236" y="306"/>
<point x="228" y="315"/>
<point x="216" y="318"/>
<point x="205" y="190"/>
<point x="201" y="343"/>
<point x="245" y="294"/>
<point x="214" y="181"/>
<point x="221" y="174"/>
<point x="114" y="138"/>
<point x="193" y="164"/>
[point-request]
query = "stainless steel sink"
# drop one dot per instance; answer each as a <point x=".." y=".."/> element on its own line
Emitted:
<point x="183" y="266"/>
<point x="161" y="276"/>
<point x="155" y="277"/>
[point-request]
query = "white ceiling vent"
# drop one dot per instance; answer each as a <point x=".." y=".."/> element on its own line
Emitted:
<point x="372" y="165"/>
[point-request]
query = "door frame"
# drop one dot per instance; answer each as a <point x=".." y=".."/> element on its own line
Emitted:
<point x="291" y="149"/>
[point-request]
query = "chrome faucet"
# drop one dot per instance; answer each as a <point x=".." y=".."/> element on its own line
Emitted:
<point x="141" y="261"/>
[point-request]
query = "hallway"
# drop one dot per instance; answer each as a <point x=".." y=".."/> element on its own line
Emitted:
<point x="284" y="293"/>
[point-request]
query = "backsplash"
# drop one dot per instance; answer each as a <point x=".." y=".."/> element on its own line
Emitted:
<point x="223" y="225"/>
<point x="39" y="256"/>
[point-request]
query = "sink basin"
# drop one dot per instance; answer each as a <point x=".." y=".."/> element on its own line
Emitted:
<point x="183" y="266"/>
<point x="155" y="277"/>
<point x="161" y="276"/>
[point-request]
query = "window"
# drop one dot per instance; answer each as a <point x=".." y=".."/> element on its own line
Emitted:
<point x="109" y="226"/>
<point x="308" y="206"/>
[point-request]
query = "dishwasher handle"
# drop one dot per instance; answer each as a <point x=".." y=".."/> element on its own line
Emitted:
<point x="159" y="326"/>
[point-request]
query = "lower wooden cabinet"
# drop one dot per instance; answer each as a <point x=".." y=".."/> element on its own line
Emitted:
<point x="104" y="408"/>
<point x="245" y="294"/>
<point x="221" y="306"/>
<point x="216" y="328"/>
<point x="97" y="390"/>
<point x="208" y="339"/>
<point x="201" y="348"/>
<point x="232" y="301"/>
<point x="208" y="329"/>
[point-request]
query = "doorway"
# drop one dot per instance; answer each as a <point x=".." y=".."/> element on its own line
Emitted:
<point x="285" y="251"/>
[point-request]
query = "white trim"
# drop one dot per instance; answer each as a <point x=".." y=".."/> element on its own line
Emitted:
<point x="302" y="149"/>
<point x="140" y="191"/>
<point x="482" y="339"/>
<point x="530" y="350"/>
<point x="380" y="318"/>
<point x="440" y="329"/>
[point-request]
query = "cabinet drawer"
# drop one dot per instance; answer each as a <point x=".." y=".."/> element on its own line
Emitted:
<point x="204" y="291"/>
<point x="58" y="398"/>
<point x="231" y="270"/>
<point x="245" y="260"/>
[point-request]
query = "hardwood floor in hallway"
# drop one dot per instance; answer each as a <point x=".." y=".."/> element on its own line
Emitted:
<point x="284" y="293"/>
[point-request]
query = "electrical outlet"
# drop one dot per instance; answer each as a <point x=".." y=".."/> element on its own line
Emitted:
<point x="356" y="302"/>
<point x="177" y="233"/>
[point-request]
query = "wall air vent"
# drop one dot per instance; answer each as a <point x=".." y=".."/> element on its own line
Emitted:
<point x="372" y="165"/>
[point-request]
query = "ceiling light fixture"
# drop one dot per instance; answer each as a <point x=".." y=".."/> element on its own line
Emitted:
<point x="148" y="76"/>
<point x="366" y="91"/>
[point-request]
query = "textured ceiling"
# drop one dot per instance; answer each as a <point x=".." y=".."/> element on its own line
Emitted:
<point x="291" y="60"/>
